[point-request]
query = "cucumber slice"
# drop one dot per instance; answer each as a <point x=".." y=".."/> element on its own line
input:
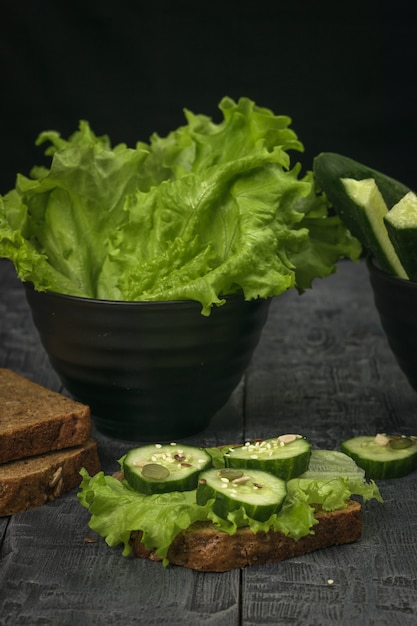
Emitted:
<point x="383" y="456"/>
<point x="286" y="456"/>
<point x="160" y="468"/>
<point x="329" y="170"/>
<point x="258" y="492"/>
<point x="401" y="225"/>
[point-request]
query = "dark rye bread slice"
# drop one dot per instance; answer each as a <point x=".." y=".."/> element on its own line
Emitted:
<point x="34" y="420"/>
<point x="31" y="482"/>
<point x="202" y="547"/>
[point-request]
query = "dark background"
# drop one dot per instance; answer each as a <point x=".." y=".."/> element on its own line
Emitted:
<point x="345" y="72"/>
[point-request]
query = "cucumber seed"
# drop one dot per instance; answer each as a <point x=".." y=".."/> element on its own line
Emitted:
<point x="400" y="443"/>
<point x="230" y="473"/>
<point x="155" y="471"/>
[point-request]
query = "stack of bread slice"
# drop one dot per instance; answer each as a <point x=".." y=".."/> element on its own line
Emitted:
<point x="45" y="439"/>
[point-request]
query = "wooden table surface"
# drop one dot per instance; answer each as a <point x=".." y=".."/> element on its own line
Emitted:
<point x="323" y="369"/>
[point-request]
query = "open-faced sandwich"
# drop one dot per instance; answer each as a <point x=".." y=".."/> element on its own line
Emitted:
<point x="216" y="509"/>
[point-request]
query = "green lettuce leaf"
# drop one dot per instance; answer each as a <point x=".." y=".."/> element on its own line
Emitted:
<point x="295" y="519"/>
<point x="116" y="510"/>
<point x="327" y="241"/>
<point x="217" y="456"/>
<point x="209" y="210"/>
<point x="331" y="479"/>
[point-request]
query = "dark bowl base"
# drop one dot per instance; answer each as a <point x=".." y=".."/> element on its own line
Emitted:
<point x="163" y="410"/>
<point x="144" y="429"/>
<point x="164" y="417"/>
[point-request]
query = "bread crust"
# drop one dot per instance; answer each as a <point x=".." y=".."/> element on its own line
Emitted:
<point x="35" y="420"/>
<point x="204" y="548"/>
<point x="31" y="482"/>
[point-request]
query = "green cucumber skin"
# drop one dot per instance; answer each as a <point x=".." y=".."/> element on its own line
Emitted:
<point x="329" y="168"/>
<point x="377" y="469"/>
<point x="285" y="468"/>
<point x="404" y="241"/>
<point x="224" y="504"/>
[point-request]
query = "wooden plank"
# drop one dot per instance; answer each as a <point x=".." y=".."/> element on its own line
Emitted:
<point x="324" y="369"/>
<point x="373" y="580"/>
<point x="53" y="576"/>
<point x="3" y="527"/>
<point x="324" y="365"/>
<point x="49" y="574"/>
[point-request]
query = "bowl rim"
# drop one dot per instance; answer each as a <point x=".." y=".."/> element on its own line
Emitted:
<point x="238" y="295"/>
<point x="374" y="268"/>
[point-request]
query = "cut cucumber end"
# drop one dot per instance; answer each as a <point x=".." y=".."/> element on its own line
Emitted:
<point x="368" y="198"/>
<point x="404" y="213"/>
<point x="401" y="225"/>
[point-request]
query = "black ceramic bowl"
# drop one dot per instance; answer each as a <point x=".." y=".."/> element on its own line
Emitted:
<point x="148" y="370"/>
<point x="396" y="302"/>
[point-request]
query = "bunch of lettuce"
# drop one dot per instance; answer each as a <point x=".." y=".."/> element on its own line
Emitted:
<point x="117" y="509"/>
<point x="209" y="210"/>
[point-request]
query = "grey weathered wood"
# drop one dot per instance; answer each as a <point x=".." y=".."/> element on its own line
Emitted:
<point x="322" y="368"/>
